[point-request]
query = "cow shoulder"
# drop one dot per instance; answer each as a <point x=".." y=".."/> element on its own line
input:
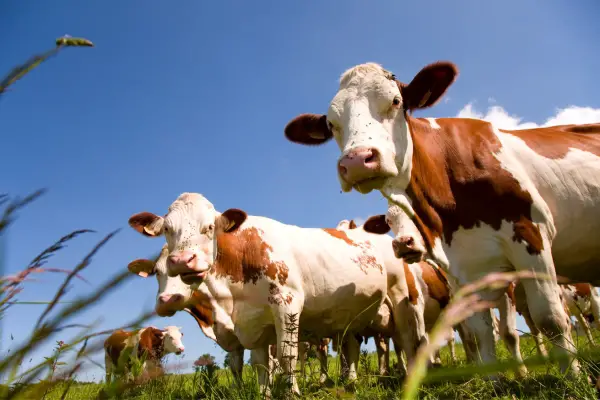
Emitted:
<point x="151" y="342"/>
<point x="244" y="256"/>
<point x="411" y="283"/>
<point x="437" y="284"/>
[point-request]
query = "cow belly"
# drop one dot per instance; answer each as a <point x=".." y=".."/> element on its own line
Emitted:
<point x="346" y="308"/>
<point x="576" y="251"/>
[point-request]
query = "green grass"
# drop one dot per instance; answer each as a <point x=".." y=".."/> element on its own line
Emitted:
<point x="449" y="382"/>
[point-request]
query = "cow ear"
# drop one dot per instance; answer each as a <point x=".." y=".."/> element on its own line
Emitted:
<point x="352" y="224"/>
<point x="429" y="85"/>
<point x="142" y="267"/>
<point x="230" y="220"/>
<point x="376" y="224"/>
<point x="308" y="129"/>
<point x="147" y="224"/>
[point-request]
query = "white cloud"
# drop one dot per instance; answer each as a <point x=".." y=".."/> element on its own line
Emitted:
<point x="501" y="118"/>
<point x="359" y="221"/>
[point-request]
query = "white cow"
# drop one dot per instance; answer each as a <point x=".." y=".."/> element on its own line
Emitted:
<point x="261" y="279"/>
<point x="428" y="294"/>
<point x="484" y="199"/>
<point x="174" y="295"/>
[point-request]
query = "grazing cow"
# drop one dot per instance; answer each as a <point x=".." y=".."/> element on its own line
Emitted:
<point x="265" y="281"/>
<point x="398" y="221"/>
<point x="484" y="199"/>
<point x="148" y="345"/>
<point x="428" y="294"/>
<point x="174" y="295"/>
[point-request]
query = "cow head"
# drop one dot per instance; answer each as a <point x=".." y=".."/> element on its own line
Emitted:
<point x="368" y="119"/>
<point x="408" y="242"/>
<point x="190" y="227"/>
<point x="173" y="340"/>
<point x="173" y="294"/>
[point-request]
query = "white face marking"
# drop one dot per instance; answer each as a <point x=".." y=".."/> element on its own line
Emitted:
<point x="168" y="285"/>
<point x="173" y="339"/>
<point x="190" y="226"/>
<point x="363" y="115"/>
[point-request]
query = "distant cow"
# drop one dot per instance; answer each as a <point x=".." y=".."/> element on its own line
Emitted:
<point x="265" y="281"/>
<point x="485" y="199"/>
<point x="147" y="345"/>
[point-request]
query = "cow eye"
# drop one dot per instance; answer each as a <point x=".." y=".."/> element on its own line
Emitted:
<point x="330" y="126"/>
<point x="396" y="101"/>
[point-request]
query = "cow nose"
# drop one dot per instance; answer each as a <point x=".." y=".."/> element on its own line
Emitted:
<point x="181" y="262"/>
<point x="170" y="298"/>
<point x="405" y="245"/>
<point x="358" y="164"/>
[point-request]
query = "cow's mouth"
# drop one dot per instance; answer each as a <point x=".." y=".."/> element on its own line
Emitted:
<point x="412" y="256"/>
<point x="178" y="352"/>
<point x="365" y="186"/>
<point x="193" y="277"/>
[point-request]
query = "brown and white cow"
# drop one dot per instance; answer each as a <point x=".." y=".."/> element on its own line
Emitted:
<point x="505" y="327"/>
<point x="428" y="294"/>
<point x="148" y="345"/>
<point x="174" y="295"/>
<point x="484" y="199"/>
<point x="266" y="281"/>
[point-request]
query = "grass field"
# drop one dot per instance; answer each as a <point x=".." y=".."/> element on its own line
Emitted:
<point x="450" y="382"/>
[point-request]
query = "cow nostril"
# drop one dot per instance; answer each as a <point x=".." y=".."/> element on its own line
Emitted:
<point x="163" y="299"/>
<point x="176" y="298"/>
<point x="410" y="241"/>
<point x="193" y="256"/>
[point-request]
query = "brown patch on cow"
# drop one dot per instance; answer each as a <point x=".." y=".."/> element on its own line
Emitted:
<point x="151" y="343"/>
<point x="201" y="309"/>
<point x="554" y="142"/>
<point x="116" y="343"/>
<point x="457" y="182"/>
<point x="582" y="290"/>
<point x="437" y="287"/>
<point x="510" y="291"/>
<point x="277" y="297"/>
<point x="243" y="256"/>
<point x="352" y="224"/>
<point x="340" y="235"/>
<point x="413" y="292"/>
<point x="365" y="260"/>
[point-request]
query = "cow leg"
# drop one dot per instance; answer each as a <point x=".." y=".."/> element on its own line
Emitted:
<point x="236" y="364"/>
<point x="467" y="340"/>
<point x="508" y="332"/>
<point x="322" y="356"/>
<point x="452" y="346"/>
<point x="480" y="327"/>
<point x="353" y="351"/>
<point x="382" y="344"/>
<point x="108" y="367"/>
<point x="286" y="326"/>
<point x="261" y="362"/>
<point x="584" y="324"/>
<point x="409" y="326"/>
<point x="401" y="364"/>
<point x="535" y="334"/>
<point x="544" y="303"/>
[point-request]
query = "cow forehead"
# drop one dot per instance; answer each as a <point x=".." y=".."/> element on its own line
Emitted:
<point x="363" y="72"/>
<point x="173" y="331"/>
<point x="191" y="205"/>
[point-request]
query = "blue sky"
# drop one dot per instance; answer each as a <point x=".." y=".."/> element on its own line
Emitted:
<point x="194" y="96"/>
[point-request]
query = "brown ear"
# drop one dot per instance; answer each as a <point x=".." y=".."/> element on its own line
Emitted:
<point x="230" y="220"/>
<point x="352" y="224"/>
<point x="146" y="223"/>
<point x="376" y="224"/>
<point x="308" y="129"/>
<point x="142" y="267"/>
<point x="429" y="85"/>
